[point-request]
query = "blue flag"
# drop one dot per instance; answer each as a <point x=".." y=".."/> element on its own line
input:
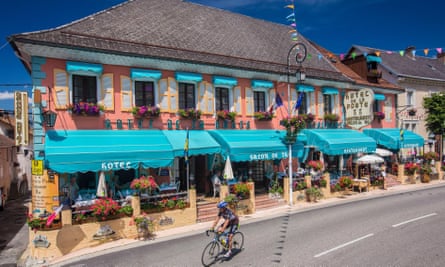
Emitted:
<point x="278" y="101"/>
<point x="186" y="147"/>
<point x="299" y="101"/>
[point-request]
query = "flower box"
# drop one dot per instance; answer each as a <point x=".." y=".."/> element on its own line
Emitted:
<point x="226" y="115"/>
<point x="378" y="115"/>
<point x="146" y="112"/>
<point x="193" y="114"/>
<point x="330" y="117"/>
<point x="263" y="116"/>
<point x="86" y="109"/>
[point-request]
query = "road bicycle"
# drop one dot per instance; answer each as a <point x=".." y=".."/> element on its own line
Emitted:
<point x="214" y="250"/>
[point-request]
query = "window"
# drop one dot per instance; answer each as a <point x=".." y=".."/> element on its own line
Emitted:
<point x="409" y="97"/>
<point x="259" y="99"/>
<point x="304" y="104"/>
<point x="376" y="106"/>
<point x="221" y="98"/>
<point x="327" y="101"/>
<point x="144" y="93"/>
<point x="84" y="89"/>
<point x="186" y="95"/>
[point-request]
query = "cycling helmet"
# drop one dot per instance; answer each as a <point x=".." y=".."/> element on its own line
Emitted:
<point x="222" y="204"/>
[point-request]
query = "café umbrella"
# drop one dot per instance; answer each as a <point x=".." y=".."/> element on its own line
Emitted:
<point x="228" y="172"/>
<point x="101" y="187"/>
<point x="370" y="159"/>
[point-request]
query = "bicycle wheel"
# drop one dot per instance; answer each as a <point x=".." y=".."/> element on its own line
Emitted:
<point x="210" y="253"/>
<point x="238" y="241"/>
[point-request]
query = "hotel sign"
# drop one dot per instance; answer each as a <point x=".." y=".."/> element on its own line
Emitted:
<point x="358" y="106"/>
<point x="21" y="118"/>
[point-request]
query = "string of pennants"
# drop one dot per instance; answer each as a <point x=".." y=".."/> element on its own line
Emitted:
<point x="294" y="36"/>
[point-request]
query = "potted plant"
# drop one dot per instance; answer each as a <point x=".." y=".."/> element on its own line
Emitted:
<point x="345" y="182"/>
<point x="410" y="170"/>
<point x="313" y="194"/>
<point x="293" y="125"/>
<point x="263" y="115"/>
<point x="144" y="225"/>
<point x="429" y="156"/>
<point x="144" y="183"/>
<point x="35" y="223"/>
<point x="232" y="200"/>
<point x="317" y="165"/>
<point x="300" y="185"/>
<point x="226" y="115"/>
<point x="378" y="115"/>
<point x="275" y="189"/>
<point x="425" y="171"/>
<point x="103" y="208"/>
<point x="146" y="111"/>
<point x="241" y="190"/>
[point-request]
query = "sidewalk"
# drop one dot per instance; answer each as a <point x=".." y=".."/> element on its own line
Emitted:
<point x="179" y="232"/>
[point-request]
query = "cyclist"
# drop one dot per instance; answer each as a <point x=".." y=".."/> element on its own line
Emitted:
<point x="231" y="222"/>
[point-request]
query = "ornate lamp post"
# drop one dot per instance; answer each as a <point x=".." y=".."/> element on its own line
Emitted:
<point x="291" y="134"/>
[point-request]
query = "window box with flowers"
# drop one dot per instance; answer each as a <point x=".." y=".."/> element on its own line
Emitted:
<point x="146" y="112"/>
<point x="192" y="114"/>
<point x="144" y="184"/>
<point x="331" y="117"/>
<point x="226" y="115"/>
<point x="411" y="168"/>
<point x="378" y="115"/>
<point x="241" y="190"/>
<point x="412" y="112"/>
<point x="345" y="182"/>
<point x="263" y="116"/>
<point x="86" y="109"/>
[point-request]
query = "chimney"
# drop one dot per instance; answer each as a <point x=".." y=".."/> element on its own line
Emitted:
<point x="441" y="57"/>
<point x="409" y="51"/>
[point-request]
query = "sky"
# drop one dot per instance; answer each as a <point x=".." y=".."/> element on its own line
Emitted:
<point x="389" y="25"/>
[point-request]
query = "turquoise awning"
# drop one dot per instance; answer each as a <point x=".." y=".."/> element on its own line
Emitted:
<point x="262" y="84"/>
<point x="339" y="141"/>
<point x="305" y="88"/>
<point x="379" y="97"/>
<point x="373" y="59"/>
<point x="145" y="74"/>
<point x="391" y="138"/>
<point x="252" y="145"/>
<point x="220" y="80"/>
<point x="81" y="66"/>
<point x="188" y="77"/>
<point x="69" y="151"/>
<point x="330" y="91"/>
<point x="200" y="142"/>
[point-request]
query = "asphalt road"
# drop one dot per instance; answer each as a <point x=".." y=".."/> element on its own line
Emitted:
<point x="396" y="230"/>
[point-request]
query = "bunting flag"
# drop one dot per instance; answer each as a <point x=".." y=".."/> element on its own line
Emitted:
<point x="291" y="18"/>
<point x="51" y="217"/>
<point x="186" y="147"/>
<point x="278" y="102"/>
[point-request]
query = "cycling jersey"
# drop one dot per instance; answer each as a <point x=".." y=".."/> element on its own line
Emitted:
<point x="227" y="214"/>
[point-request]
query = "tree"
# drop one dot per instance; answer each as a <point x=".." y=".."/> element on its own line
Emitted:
<point x="435" y="108"/>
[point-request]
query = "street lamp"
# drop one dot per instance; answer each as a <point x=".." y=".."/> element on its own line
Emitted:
<point x="300" y="56"/>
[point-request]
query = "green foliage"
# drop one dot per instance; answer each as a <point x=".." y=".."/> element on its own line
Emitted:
<point x="127" y="210"/>
<point x="231" y="199"/>
<point x="242" y="190"/>
<point x="331" y="117"/>
<point x="435" y="108"/>
<point x="276" y="187"/>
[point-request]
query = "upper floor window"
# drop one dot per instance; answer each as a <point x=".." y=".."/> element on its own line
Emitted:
<point x="186" y="96"/>
<point x="221" y="98"/>
<point x="410" y="98"/>
<point x="144" y="93"/>
<point x="259" y="100"/>
<point x="328" y="103"/>
<point x="84" y="89"/>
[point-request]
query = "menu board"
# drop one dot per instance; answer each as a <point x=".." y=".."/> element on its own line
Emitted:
<point x="45" y="194"/>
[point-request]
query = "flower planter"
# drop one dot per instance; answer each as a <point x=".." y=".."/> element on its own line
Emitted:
<point x="425" y="178"/>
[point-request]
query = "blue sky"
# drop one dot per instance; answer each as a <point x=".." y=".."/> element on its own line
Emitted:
<point x="390" y="25"/>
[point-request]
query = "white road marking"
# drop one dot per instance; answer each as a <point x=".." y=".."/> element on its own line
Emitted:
<point x="415" y="219"/>
<point x="343" y="245"/>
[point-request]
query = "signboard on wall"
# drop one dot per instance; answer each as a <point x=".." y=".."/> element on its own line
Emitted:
<point x="37" y="167"/>
<point x="358" y="107"/>
<point x="45" y="193"/>
<point x="21" y="118"/>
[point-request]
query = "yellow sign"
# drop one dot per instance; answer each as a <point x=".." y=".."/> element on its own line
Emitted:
<point x="45" y="193"/>
<point x="37" y="167"/>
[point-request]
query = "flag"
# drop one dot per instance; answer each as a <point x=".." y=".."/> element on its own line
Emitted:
<point x="278" y="102"/>
<point x="186" y="147"/>
<point x="51" y="217"/>
<point x="299" y="101"/>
